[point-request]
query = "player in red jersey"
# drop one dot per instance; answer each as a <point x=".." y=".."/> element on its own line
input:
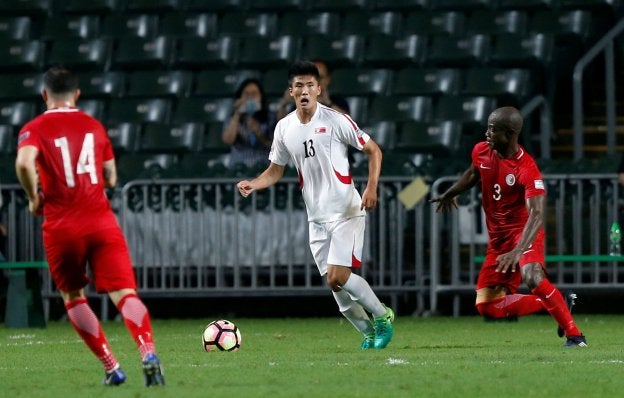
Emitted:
<point x="69" y="155"/>
<point x="514" y="198"/>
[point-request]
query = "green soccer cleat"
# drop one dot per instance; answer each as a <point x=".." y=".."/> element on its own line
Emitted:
<point x="384" y="329"/>
<point x="368" y="342"/>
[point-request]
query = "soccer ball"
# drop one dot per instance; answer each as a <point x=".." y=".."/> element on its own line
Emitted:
<point x="221" y="335"/>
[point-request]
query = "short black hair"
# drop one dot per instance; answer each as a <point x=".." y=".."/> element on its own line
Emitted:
<point x="303" y="68"/>
<point x="60" y="80"/>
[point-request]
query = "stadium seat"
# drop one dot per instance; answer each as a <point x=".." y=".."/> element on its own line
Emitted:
<point x="434" y="23"/>
<point x="81" y="54"/>
<point x="15" y="28"/>
<point x="427" y="81"/>
<point x="7" y="140"/>
<point x="178" y="25"/>
<point x="510" y="86"/>
<point x="367" y="23"/>
<point x="213" y="5"/>
<point x="467" y="5"/>
<point x="310" y="23"/>
<point x="152" y="6"/>
<point x="137" y="110"/>
<point x="399" y="5"/>
<point x="26" y="86"/>
<point x="140" y="53"/>
<point x="383" y="133"/>
<point x="144" y="166"/>
<point x="342" y="5"/>
<point x="335" y="51"/>
<point x="17" y="113"/>
<point x="242" y="24"/>
<point x="36" y="8"/>
<point x="159" y="84"/>
<point x="496" y="22"/>
<point x="124" y="137"/>
<point x="93" y="107"/>
<point x="360" y="82"/>
<point x="532" y="50"/>
<point x="91" y="7"/>
<point x="22" y="56"/>
<point x="389" y="51"/>
<point x="205" y="110"/>
<point x="275" y="82"/>
<point x="171" y="138"/>
<point x="102" y="84"/>
<point x="221" y="83"/>
<point x="446" y="51"/>
<point x="528" y="4"/>
<point x="124" y="26"/>
<point x="201" y="53"/>
<point x="358" y="108"/>
<point x="441" y="139"/>
<point x="213" y="143"/>
<point x="276" y="5"/>
<point x="400" y="109"/>
<point x="567" y="26"/>
<point x="594" y="5"/>
<point x="472" y="112"/>
<point x="70" y="27"/>
<point x="264" y="53"/>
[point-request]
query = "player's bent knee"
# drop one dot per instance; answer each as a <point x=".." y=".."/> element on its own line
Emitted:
<point x="488" y="309"/>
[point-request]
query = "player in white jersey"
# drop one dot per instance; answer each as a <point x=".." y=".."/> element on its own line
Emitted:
<point x="316" y="139"/>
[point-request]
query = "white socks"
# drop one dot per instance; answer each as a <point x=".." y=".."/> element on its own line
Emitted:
<point x="353" y="312"/>
<point x="361" y="292"/>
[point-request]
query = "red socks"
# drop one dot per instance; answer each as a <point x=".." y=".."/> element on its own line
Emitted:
<point x="85" y="322"/>
<point x="512" y="304"/>
<point x="137" y="320"/>
<point x="555" y="304"/>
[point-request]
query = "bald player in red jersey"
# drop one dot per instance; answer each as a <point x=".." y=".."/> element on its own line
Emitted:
<point x="513" y="198"/>
<point x="68" y="153"/>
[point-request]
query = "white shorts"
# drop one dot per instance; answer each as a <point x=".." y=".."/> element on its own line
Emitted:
<point x="337" y="242"/>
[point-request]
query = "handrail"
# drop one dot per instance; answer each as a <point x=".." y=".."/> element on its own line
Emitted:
<point x="606" y="44"/>
<point x="546" y="131"/>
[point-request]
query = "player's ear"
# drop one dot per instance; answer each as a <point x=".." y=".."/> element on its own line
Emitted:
<point x="44" y="95"/>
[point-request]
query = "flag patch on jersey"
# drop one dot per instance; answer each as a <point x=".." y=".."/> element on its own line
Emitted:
<point x="320" y="130"/>
<point x="539" y="184"/>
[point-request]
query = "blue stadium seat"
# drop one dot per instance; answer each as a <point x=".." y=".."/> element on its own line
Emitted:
<point x="264" y="53"/>
<point x="383" y="132"/>
<point x="17" y="113"/>
<point x="367" y="23"/>
<point x="22" y="56"/>
<point x="496" y="22"/>
<point x="124" y="137"/>
<point x="389" y="51"/>
<point x="531" y="50"/>
<point x="93" y="107"/>
<point x="243" y="24"/>
<point x="70" y="27"/>
<point x="338" y="51"/>
<point x="448" y="51"/>
<point x="123" y="26"/>
<point x="434" y="23"/>
<point x="567" y="26"/>
<point x="510" y="86"/>
<point x="398" y="108"/>
<point x="361" y="81"/>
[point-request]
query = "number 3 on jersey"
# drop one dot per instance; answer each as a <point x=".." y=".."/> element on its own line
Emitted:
<point x="86" y="160"/>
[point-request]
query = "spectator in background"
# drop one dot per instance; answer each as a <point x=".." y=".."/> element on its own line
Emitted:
<point x="68" y="155"/>
<point x="336" y="102"/>
<point x="249" y="131"/>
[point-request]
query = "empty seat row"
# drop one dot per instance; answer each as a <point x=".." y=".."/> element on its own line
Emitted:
<point x="581" y="23"/>
<point x="46" y="7"/>
<point x="162" y="53"/>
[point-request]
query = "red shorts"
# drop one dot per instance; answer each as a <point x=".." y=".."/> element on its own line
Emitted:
<point x="105" y="251"/>
<point x="488" y="277"/>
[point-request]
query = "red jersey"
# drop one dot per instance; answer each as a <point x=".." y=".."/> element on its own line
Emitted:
<point x="72" y="147"/>
<point x="505" y="186"/>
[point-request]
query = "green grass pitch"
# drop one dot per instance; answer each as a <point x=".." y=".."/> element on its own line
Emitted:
<point x="320" y="357"/>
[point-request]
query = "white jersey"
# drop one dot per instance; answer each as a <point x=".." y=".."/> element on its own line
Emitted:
<point x="319" y="151"/>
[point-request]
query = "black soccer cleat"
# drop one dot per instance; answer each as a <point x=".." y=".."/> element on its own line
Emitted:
<point x="576" y="341"/>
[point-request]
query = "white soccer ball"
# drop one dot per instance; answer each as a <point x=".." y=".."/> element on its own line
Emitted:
<point x="221" y="335"/>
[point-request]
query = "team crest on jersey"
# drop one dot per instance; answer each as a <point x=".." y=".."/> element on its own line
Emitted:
<point x="320" y="130"/>
<point x="510" y="179"/>
<point x="23" y="136"/>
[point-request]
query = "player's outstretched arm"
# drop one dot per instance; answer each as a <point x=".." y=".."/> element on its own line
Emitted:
<point x="270" y="176"/>
<point x="448" y="199"/>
